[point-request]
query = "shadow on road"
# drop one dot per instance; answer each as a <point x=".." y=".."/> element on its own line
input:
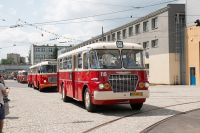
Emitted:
<point x="50" y="90"/>
<point x="125" y="109"/>
<point x="12" y="118"/>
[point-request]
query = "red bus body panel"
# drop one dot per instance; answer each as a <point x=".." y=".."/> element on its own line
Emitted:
<point x="74" y="83"/>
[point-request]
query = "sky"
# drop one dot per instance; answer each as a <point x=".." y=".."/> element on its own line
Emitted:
<point x="83" y="19"/>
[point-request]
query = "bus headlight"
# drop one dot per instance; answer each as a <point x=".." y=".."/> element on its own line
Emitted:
<point x="101" y="86"/>
<point x="45" y="81"/>
<point x="146" y="85"/>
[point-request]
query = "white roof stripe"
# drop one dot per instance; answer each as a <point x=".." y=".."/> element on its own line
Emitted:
<point x="44" y="63"/>
<point x="102" y="45"/>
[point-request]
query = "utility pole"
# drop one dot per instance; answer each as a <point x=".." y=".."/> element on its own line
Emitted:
<point x="102" y="35"/>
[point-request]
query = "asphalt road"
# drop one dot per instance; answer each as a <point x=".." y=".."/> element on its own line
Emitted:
<point x="32" y="111"/>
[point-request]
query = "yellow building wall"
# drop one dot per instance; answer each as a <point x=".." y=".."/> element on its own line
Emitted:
<point x="193" y="52"/>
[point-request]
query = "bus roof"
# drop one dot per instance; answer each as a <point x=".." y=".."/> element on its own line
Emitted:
<point x="21" y="71"/>
<point x="102" y="45"/>
<point x="44" y="63"/>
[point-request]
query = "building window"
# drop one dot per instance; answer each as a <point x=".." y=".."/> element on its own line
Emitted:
<point x="50" y="50"/>
<point x="119" y="35"/>
<point x="43" y="50"/>
<point x="113" y="37"/>
<point x="154" y="23"/>
<point x="145" y="26"/>
<point x="124" y="33"/>
<point x="146" y="45"/>
<point x="154" y="43"/>
<point x="37" y="49"/>
<point x="147" y="54"/>
<point x="130" y="31"/>
<point x="137" y="29"/>
<point x="108" y="38"/>
<point x="147" y="69"/>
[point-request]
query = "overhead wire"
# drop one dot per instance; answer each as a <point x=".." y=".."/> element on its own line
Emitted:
<point x="103" y="14"/>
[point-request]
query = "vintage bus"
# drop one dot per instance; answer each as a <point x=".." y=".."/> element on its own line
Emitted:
<point x="22" y="76"/>
<point x="44" y="75"/>
<point x="104" y="73"/>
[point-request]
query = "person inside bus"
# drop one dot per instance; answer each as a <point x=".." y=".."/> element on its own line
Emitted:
<point x="129" y="61"/>
<point x="93" y="64"/>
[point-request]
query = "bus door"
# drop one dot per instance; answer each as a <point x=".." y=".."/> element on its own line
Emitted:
<point x="73" y="74"/>
<point x="77" y="74"/>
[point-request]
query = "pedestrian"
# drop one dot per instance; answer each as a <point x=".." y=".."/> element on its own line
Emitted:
<point x="3" y="93"/>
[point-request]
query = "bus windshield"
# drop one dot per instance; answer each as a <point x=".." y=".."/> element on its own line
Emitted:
<point x="112" y="59"/>
<point x="132" y="59"/>
<point x="25" y="73"/>
<point x="105" y="59"/>
<point x="48" y="69"/>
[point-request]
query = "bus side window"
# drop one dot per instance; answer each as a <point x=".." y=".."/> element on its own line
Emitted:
<point x="85" y="61"/>
<point x="61" y="64"/>
<point x="69" y="62"/>
<point x="79" y="60"/>
<point x="65" y="63"/>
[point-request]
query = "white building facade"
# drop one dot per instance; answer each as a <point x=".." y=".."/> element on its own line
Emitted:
<point x="39" y="53"/>
<point x="162" y="35"/>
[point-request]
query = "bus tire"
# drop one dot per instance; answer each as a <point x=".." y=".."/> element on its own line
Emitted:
<point x="39" y="88"/>
<point x="64" y="97"/>
<point x="87" y="101"/>
<point x="136" y="106"/>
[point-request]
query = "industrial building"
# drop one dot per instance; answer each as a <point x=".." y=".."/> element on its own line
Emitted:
<point x="162" y="35"/>
<point x="39" y="53"/>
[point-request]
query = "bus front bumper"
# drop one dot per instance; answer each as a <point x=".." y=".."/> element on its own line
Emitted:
<point x="47" y="85"/>
<point x="110" y="95"/>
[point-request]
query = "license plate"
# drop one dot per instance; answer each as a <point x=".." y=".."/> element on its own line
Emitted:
<point x="136" y="94"/>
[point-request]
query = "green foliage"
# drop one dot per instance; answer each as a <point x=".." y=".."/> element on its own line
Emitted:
<point x="7" y="61"/>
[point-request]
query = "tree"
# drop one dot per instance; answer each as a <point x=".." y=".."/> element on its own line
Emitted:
<point x="7" y="61"/>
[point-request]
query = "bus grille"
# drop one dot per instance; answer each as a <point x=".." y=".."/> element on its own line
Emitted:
<point x="52" y="79"/>
<point x="123" y="83"/>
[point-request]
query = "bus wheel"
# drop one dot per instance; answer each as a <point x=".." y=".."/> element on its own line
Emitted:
<point x="64" y="97"/>
<point x="39" y="88"/>
<point x="87" y="101"/>
<point x="136" y="106"/>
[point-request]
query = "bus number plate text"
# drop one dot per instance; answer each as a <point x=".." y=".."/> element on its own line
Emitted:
<point x="136" y="94"/>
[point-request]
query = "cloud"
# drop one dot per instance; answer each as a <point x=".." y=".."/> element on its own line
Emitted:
<point x="22" y="40"/>
<point x="12" y="11"/>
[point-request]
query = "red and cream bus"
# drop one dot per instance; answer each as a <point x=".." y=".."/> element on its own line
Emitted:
<point x="104" y="73"/>
<point x="44" y="75"/>
<point x="22" y="76"/>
